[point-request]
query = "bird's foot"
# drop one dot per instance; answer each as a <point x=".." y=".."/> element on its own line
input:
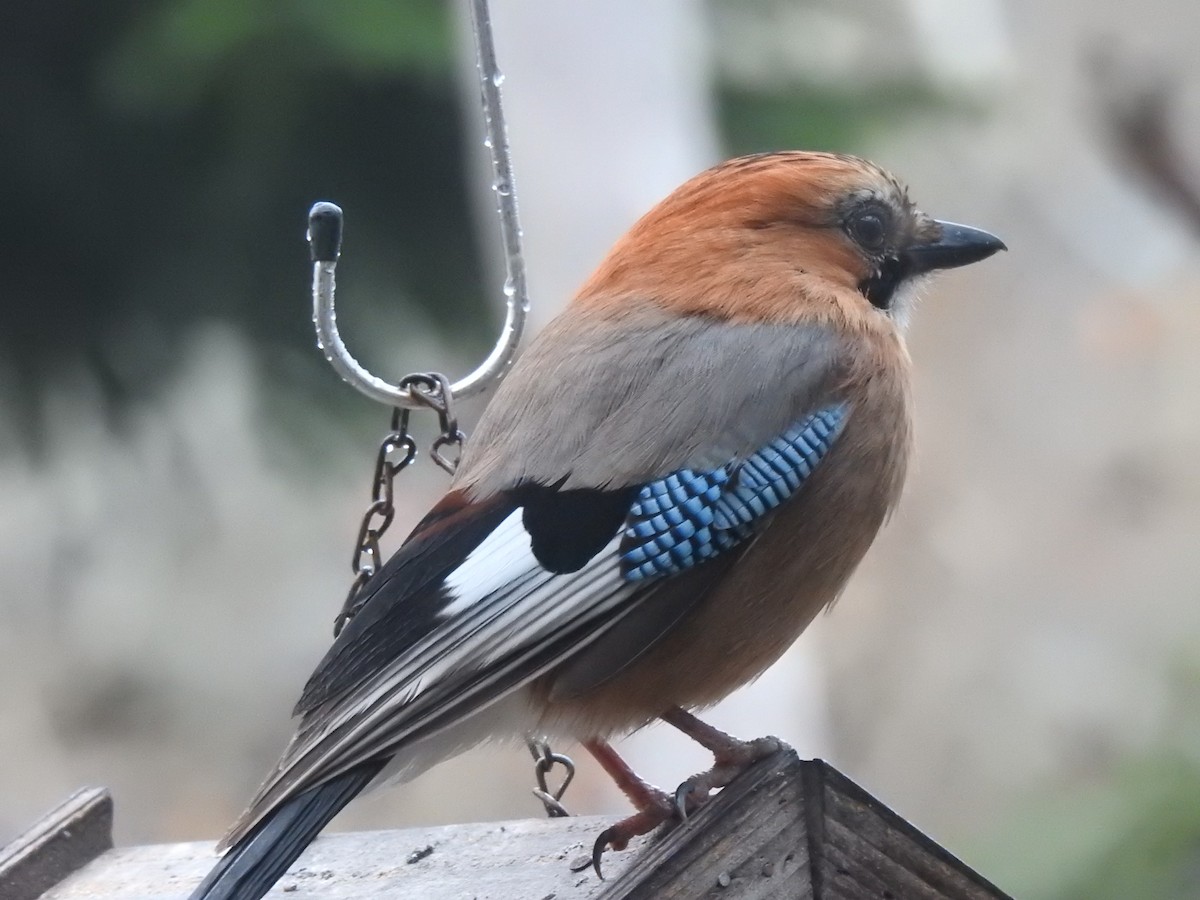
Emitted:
<point x="644" y="821"/>
<point x="727" y="766"/>
<point x="654" y="806"/>
<point x="663" y="810"/>
<point x="731" y="757"/>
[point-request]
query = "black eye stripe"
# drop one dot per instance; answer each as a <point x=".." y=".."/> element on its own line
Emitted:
<point x="880" y="288"/>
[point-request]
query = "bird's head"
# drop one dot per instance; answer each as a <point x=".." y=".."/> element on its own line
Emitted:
<point x="784" y="237"/>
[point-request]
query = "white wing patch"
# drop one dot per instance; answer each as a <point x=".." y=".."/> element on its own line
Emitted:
<point x="503" y="557"/>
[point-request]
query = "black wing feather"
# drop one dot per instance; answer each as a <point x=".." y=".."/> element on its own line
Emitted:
<point x="568" y="528"/>
<point x="258" y="860"/>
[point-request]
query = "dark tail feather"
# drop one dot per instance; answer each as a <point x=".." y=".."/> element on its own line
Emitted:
<point x="258" y="860"/>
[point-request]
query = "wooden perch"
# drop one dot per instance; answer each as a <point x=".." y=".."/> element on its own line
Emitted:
<point x="785" y="829"/>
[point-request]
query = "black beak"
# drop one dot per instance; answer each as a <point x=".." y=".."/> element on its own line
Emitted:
<point x="957" y="245"/>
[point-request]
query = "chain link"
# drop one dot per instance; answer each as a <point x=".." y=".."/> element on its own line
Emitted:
<point x="544" y="760"/>
<point x="398" y="451"/>
<point x="437" y="397"/>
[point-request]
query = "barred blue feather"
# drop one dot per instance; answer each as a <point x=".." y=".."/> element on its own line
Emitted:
<point x="687" y="517"/>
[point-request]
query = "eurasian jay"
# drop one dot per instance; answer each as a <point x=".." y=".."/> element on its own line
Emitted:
<point x="679" y="473"/>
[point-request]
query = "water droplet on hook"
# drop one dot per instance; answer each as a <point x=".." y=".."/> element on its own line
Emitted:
<point x="510" y="289"/>
<point x="497" y="78"/>
<point x="487" y="142"/>
<point x="503" y="188"/>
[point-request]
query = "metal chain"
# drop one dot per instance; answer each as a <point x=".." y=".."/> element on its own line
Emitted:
<point x="398" y="451"/>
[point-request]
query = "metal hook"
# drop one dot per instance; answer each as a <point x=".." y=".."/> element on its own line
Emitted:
<point x="325" y="243"/>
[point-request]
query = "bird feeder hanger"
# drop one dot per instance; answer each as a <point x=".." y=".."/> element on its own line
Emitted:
<point x="325" y="237"/>
<point x="432" y="391"/>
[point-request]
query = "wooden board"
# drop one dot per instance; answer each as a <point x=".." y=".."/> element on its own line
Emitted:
<point x="784" y="830"/>
<point x="489" y="861"/>
<point x="67" y="838"/>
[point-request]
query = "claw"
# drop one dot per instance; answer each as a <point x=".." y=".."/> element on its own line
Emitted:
<point x="682" y="794"/>
<point x="618" y="836"/>
<point x="612" y="836"/>
<point x="598" y="849"/>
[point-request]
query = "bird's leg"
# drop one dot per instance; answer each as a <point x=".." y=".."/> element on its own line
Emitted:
<point x="654" y="805"/>
<point x="644" y="796"/>
<point x="731" y="757"/>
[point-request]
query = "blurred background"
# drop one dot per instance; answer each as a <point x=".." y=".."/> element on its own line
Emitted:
<point x="1016" y="668"/>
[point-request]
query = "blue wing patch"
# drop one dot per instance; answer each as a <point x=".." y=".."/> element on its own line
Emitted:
<point x="689" y="516"/>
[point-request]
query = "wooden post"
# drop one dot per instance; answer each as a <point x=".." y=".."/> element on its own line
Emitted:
<point x="786" y="828"/>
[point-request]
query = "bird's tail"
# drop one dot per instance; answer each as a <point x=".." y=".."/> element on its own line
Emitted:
<point x="259" y="859"/>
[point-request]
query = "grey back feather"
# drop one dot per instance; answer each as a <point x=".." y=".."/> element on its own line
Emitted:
<point x="599" y="402"/>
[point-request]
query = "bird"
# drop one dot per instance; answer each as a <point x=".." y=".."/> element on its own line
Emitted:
<point x="676" y="476"/>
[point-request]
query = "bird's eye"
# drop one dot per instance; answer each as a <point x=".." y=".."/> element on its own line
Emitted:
<point x="869" y="229"/>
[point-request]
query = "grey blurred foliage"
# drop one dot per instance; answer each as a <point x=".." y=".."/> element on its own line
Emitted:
<point x="173" y="54"/>
<point x="1130" y="828"/>
<point x="167" y="156"/>
<point x="774" y="92"/>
